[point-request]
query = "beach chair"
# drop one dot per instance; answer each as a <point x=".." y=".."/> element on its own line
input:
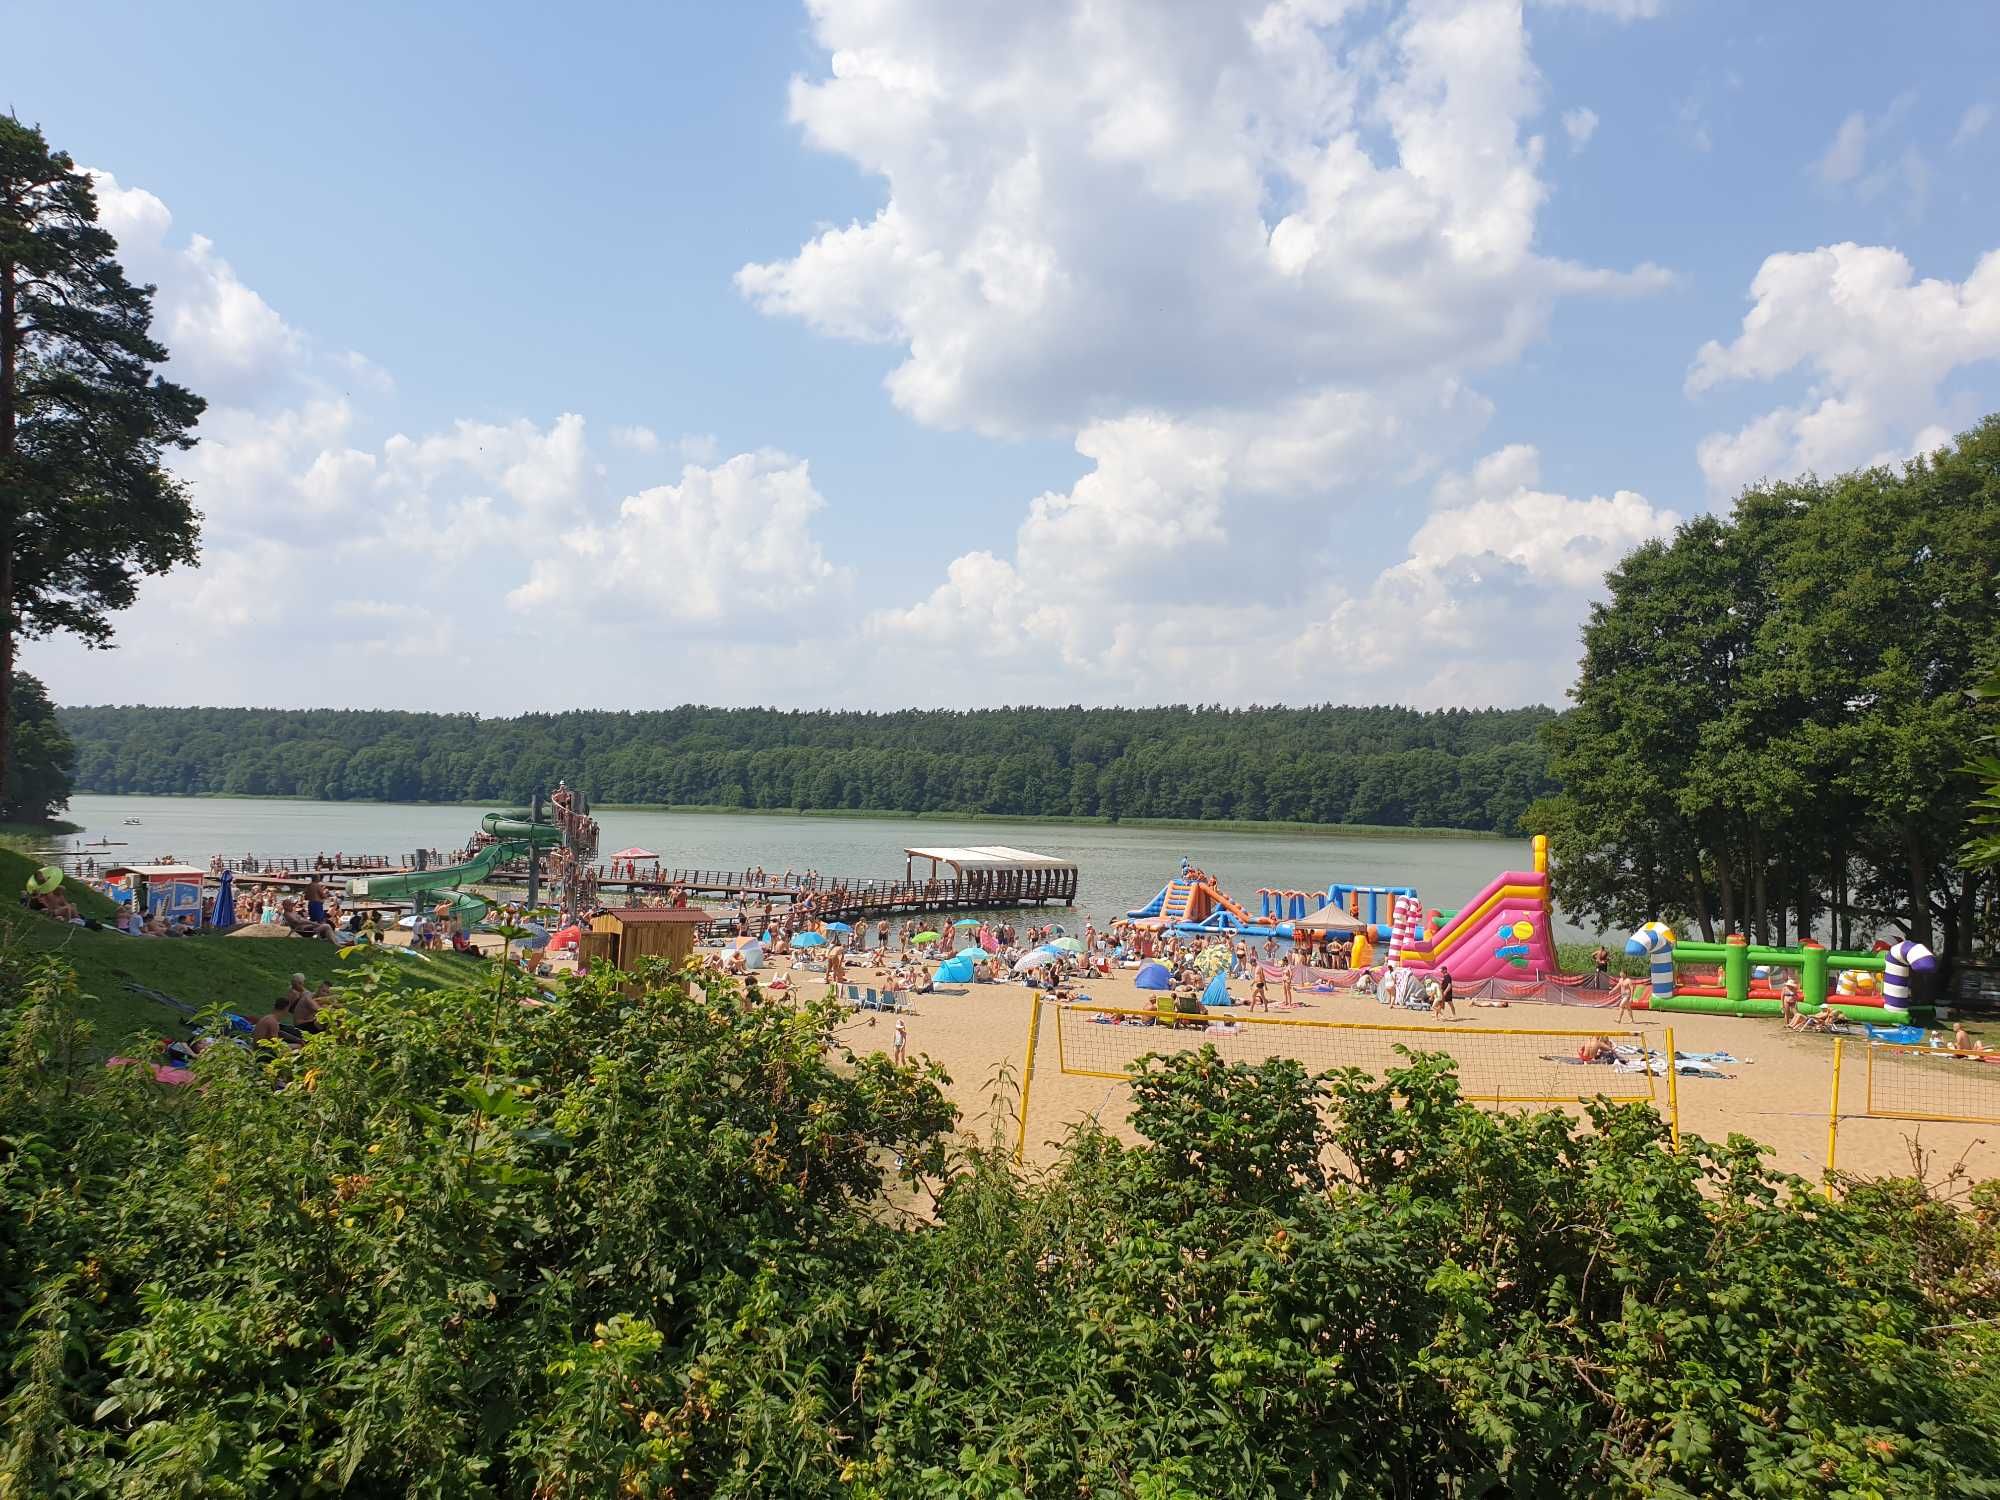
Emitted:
<point x="867" y="997"/>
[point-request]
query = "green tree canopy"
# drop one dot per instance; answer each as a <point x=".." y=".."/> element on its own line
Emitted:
<point x="1776" y="709"/>
<point x="87" y="506"/>
<point x="39" y="771"/>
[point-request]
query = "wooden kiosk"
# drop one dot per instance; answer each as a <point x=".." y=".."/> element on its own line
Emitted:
<point x="624" y="935"/>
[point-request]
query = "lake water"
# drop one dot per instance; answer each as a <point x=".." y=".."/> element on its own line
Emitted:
<point x="1119" y="868"/>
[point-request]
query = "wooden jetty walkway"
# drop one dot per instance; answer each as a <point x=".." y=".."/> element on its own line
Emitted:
<point x="981" y="878"/>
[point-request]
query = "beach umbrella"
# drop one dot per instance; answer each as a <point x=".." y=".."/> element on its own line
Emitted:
<point x="925" y="937"/>
<point x="1213" y="959"/>
<point x="1034" y="960"/>
<point x="838" y="927"/>
<point x="635" y="852"/>
<point x="225" y="900"/>
<point x="1068" y="944"/>
<point x="808" y="940"/>
<point x="966" y="922"/>
<point x="972" y="952"/>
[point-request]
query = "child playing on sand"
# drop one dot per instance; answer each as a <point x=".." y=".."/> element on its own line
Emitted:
<point x="902" y="1042"/>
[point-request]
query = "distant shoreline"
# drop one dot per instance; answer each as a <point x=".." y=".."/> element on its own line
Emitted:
<point x="1207" y="825"/>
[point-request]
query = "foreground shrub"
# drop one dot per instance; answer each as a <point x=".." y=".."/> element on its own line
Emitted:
<point x="463" y="1246"/>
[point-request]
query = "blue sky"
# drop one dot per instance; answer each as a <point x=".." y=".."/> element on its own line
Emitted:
<point x="912" y="353"/>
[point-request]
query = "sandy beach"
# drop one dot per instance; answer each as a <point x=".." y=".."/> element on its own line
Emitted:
<point x="1779" y="1094"/>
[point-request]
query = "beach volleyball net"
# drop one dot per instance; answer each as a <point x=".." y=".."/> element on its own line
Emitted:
<point x="1495" y="1065"/>
<point x="1928" y="1083"/>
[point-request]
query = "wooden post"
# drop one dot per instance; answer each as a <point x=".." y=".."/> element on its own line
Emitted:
<point x="1833" y="1114"/>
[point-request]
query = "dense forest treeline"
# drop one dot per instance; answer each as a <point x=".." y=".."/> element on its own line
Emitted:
<point x="1453" y="768"/>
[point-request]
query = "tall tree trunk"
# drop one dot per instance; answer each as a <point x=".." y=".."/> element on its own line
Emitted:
<point x="1698" y="900"/>
<point x="1846" y="916"/>
<point x="1727" y="889"/>
<point x="10" y="489"/>
<point x="1758" y="926"/>
<point x="1920" y="887"/>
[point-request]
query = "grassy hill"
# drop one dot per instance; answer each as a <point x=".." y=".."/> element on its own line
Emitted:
<point x="245" y="975"/>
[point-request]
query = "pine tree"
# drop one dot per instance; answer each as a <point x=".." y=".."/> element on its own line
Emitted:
<point x="87" y="507"/>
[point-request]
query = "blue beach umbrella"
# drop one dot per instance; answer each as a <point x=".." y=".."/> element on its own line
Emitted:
<point x="966" y="922"/>
<point x="809" y="940"/>
<point x="225" y="901"/>
<point x="975" y="954"/>
<point x="838" y="927"/>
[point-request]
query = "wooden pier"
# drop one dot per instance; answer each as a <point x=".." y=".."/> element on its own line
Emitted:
<point x="971" y="879"/>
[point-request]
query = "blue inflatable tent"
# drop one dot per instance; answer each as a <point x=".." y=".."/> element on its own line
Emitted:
<point x="1154" y="977"/>
<point x="954" y="971"/>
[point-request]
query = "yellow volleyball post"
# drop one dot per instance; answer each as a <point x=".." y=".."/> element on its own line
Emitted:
<point x="1028" y="1070"/>
<point x="1833" y="1114"/>
<point x="1673" y="1093"/>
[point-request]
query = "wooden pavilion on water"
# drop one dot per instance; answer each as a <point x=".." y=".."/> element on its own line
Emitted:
<point x="993" y="875"/>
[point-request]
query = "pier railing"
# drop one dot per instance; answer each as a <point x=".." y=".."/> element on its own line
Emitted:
<point x="831" y="896"/>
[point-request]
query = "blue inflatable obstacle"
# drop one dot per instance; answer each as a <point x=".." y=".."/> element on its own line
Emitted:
<point x="954" y="971"/>
<point x="1154" y="977"/>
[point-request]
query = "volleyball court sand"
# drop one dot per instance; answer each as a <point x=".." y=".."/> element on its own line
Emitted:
<point x="1779" y="1096"/>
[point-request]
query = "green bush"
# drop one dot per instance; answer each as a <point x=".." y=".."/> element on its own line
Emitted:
<point x="687" y="1244"/>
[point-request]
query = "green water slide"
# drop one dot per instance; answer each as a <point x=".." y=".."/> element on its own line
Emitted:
<point x="516" y="837"/>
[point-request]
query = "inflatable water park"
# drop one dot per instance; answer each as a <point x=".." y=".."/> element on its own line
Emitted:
<point x="1506" y="932"/>
<point x="1877" y="986"/>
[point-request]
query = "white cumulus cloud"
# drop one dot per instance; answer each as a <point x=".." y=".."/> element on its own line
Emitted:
<point x="729" y="546"/>
<point x="1876" y="345"/>
<point x="1136" y="204"/>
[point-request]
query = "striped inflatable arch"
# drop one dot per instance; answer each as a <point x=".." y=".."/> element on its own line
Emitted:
<point x="1902" y="960"/>
<point x="1655" y="941"/>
